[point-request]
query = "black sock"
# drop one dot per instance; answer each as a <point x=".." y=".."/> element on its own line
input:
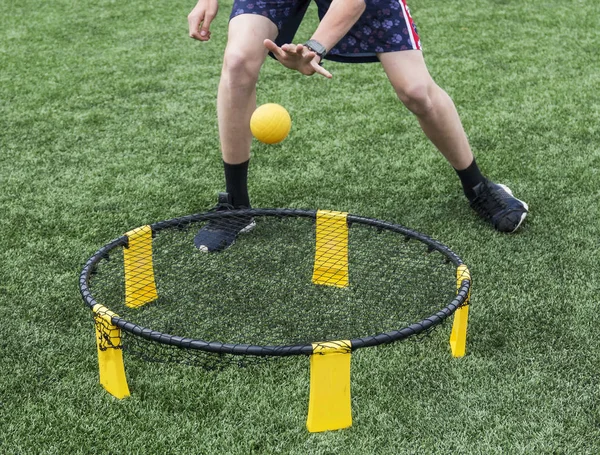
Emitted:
<point x="470" y="178"/>
<point x="236" y="180"/>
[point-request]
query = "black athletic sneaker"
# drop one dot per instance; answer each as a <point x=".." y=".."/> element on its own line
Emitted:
<point x="496" y="203"/>
<point x="220" y="234"/>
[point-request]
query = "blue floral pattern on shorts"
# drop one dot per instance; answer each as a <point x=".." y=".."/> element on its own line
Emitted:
<point x="385" y="25"/>
<point x="276" y="10"/>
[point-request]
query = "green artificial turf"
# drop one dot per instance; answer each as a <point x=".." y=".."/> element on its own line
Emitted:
<point x="108" y="122"/>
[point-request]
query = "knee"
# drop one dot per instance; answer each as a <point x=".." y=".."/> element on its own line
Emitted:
<point x="240" y="69"/>
<point x="417" y="97"/>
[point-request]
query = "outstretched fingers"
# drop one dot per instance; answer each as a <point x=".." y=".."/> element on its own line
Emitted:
<point x="274" y="48"/>
<point x="322" y="71"/>
<point x="297" y="57"/>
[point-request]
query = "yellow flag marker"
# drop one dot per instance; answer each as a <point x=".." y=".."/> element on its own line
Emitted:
<point x="458" y="337"/>
<point x="110" y="354"/>
<point x="329" y="403"/>
<point x="331" y="253"/>
<point x="140" y="287"/>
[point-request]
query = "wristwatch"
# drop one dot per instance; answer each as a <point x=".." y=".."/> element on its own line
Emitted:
<point x="317" y="48"/>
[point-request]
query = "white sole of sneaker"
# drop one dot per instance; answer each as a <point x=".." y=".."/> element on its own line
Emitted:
<point x="507" y="189"/>
<point x="248" y="228"/>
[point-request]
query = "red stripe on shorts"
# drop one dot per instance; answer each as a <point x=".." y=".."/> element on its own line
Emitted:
<point x="416" y="41"/>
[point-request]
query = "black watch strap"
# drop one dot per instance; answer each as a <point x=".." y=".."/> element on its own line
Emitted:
<point x="317" y="48"/>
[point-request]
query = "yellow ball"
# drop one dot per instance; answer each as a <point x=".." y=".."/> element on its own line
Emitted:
<point x="270" y="123"/>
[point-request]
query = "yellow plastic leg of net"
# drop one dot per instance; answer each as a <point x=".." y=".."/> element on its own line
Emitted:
<point x="329" y="403"/>
<point x="140" y="287"/>
<point x="458" y="337"/>
<point x="331" y="253"/>
<point x="110" y="354"/>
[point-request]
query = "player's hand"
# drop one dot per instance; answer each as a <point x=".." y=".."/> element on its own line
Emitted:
<point x="200" y="18"/>
<point x="297" y="57"/>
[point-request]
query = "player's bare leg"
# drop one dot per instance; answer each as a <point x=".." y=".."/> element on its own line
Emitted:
<point x="440" y="122"/>
<point x="431" y="105"/>
<point x="236" y="99"/>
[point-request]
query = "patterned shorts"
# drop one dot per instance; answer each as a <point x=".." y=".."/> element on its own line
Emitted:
<point x="385" y="26"/>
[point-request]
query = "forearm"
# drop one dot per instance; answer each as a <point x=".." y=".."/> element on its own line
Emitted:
<point x="340" y="18"/>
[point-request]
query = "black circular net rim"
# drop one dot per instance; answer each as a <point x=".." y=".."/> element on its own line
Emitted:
<point x="246" y="349"/>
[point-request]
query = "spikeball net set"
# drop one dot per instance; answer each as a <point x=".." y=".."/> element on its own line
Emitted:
<point x="320" y="284"/>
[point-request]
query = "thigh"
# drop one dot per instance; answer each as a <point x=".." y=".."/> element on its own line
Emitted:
<point x="247" y="33"/>
<point x="405" y="69"/>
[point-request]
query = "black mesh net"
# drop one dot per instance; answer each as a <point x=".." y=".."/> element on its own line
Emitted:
<point x="261" y="290"/>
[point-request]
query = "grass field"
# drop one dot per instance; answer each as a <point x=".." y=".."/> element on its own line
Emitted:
<point x="108" y="122"/>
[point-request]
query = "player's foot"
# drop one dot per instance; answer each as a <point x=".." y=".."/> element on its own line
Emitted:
<point x="496" y="203"/>
<point x="220" y="234"/>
